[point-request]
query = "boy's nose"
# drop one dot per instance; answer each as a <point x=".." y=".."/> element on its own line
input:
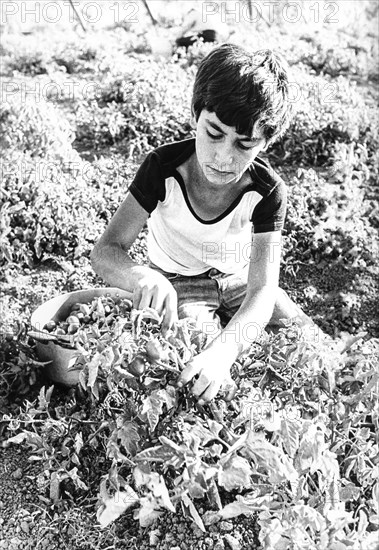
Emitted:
<point x="224" y="155"/>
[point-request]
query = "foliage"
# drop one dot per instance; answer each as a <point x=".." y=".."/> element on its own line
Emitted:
<point x="328" y="112"/>
<point x="324" y="55"/>
<point x="142" y="106"/>
<point x="327" y="224"/>
<point x="52" y="207"/>
<point x="36" y="128"/>
<point x="76" y="58"/>
<point x="297" y="444"/>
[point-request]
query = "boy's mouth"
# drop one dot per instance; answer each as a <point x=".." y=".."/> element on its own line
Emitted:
<point x="220" y="172"/>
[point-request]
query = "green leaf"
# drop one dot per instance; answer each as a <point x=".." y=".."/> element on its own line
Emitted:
<point x="159" y="453"/>
<point x="128" y="434"/>
<point x="312" y="445"/>
<point x="44" y="397"/>
<point x="55" y="492"/>
<point x="32" y="439"/>
<point x="156" y="484"/>
<point x="149" y="511"/>
<point x="153" y="405"/>
<point x="93" y="369"/>
<point x="113" y="506"/>
<point x="78" y="442"/>
<point x="189" y="509"/>
<point x="234" y="473"/>
<point x="152" y="409"/>
<point x="289" y="431"/>
<point x="242" y="505"/>
<point x="309" y="517"/>
<point x="270" y="459"/>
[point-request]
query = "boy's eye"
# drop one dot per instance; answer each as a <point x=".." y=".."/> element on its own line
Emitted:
<point x="244" y="147"/>
<point x="240" y="145"/>
<point x="213" y="136"/>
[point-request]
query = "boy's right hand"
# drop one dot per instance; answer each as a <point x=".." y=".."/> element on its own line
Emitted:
<point x="152" y="289"/>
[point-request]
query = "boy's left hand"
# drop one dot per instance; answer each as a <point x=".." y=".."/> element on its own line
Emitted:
<point x="213" y="370"/>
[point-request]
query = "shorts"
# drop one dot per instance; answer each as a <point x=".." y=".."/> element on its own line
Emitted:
<point x="212" y="298"/>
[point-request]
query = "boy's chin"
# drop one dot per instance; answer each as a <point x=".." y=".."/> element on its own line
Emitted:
<point x="221" y="179"/>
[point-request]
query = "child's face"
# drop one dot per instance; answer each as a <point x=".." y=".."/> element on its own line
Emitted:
<point x="224" y="155"/>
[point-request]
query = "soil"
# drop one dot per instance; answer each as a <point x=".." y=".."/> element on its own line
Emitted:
<point x="29" y="523"/>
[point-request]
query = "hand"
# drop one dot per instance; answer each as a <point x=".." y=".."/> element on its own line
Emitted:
<point x="213" y="370"/>
<point x="152" y="289"/>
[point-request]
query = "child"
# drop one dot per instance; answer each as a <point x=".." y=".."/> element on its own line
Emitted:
<point x="215" y="212"/>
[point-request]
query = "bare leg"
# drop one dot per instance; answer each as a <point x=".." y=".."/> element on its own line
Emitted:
<point x="286" y="309"/>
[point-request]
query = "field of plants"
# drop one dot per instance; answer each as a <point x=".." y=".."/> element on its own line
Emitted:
<point x="126" y="459"/>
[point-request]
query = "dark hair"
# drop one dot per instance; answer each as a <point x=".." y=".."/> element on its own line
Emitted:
<point x="243" y="87"/>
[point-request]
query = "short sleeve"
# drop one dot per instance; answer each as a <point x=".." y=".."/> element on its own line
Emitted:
<point x="270" y="212"/>
<point x="148" y="186"/>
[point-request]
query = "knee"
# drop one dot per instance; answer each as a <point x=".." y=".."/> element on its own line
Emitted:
<point x="282" y="294"/>
<point x="205" y="320"/>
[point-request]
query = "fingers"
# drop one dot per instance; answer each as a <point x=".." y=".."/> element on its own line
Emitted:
<point x="203" y="388"/>
<point x="160" y="295"/>
<point x="231" y="391"/>
<point x="158" y="298"/>
<point x="171" y="312"/>
<point x="188" y="373"/>
<point x="142" y="298"/>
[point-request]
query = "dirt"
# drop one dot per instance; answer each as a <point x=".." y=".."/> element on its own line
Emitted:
<point x="339" y="298"/>
<point x="29" y="523"/>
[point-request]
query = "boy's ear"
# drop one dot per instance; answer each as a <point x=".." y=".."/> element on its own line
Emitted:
<point x="193" y="120"/>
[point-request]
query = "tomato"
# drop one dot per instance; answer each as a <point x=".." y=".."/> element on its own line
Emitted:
<point x="73" y="320"/>
<point x="137" y="366"/>
<point x="154" y="350"/>
<point x="72" y="328"/>
<point x="50" y="326"/>
<point x="127" y="303"/>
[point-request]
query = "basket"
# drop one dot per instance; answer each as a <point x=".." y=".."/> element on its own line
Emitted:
<point x="61" y="356"/>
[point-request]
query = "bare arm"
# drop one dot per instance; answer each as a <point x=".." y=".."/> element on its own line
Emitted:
<point x="256" y="310"/>
<point x="213" y="364"/>
<point x="110" y="260"/>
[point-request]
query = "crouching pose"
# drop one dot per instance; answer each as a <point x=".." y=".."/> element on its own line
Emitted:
<point x="215" y="212"/>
